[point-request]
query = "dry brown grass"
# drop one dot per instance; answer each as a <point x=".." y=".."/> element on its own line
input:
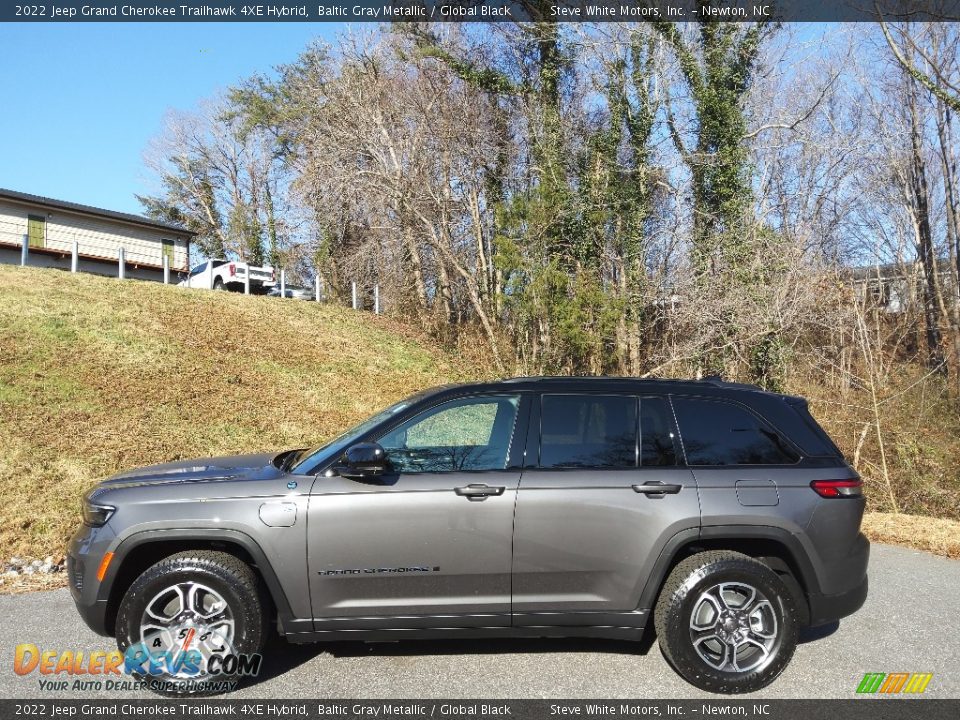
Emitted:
<point x="97" y="375"/>
<point x="31" y="583"/>
<point x="934" y="535"/>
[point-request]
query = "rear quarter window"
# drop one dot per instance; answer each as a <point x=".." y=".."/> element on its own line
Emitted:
<point x="715" y="432"/>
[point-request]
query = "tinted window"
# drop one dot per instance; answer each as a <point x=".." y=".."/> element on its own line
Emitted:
<point x="465" y="434"/>
<point x="656" y="433"/>
<point x="588" y="431"/>
<point x="199" y="269"/>
<point x="718" y="433"/>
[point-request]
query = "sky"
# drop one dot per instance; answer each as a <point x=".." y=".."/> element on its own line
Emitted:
<point x="81" y="101"/>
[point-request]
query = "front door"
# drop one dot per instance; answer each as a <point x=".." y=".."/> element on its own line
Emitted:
<point x="595" y="509"/>
<point x="431" y="538"/>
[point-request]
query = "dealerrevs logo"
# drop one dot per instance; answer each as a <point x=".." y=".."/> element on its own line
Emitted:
<point x="182" y="670"/>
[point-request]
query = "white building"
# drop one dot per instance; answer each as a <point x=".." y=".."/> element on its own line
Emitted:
<point x="52" y="226"/>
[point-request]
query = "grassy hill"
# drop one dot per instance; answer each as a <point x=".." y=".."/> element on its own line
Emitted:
<point x="97" y="375"/>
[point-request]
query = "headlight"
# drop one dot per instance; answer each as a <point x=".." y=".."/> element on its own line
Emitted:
<point x="97" y="515"/>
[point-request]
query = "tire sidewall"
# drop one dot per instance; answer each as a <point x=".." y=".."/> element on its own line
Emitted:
<point x="688" y="661"/>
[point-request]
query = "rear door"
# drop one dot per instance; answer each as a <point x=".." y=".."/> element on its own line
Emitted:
<point x="595" y="507"/>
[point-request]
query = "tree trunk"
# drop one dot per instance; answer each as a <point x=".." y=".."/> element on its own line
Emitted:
<point x="948" y="168"/>
<point x="925" y="248"/>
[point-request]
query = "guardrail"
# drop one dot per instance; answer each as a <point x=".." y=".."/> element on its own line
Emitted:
<point x="124" y="258"/>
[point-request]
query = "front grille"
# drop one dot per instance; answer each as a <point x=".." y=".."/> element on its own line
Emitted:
<point x="75" y="572"/>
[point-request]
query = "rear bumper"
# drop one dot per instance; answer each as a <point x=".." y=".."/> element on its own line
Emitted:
<point x="848" y="584"/>
<point x="830" y="608"/>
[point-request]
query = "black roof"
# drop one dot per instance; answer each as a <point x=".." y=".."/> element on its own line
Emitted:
<point x="707" y="385"/>
<point x="90" y="210"/>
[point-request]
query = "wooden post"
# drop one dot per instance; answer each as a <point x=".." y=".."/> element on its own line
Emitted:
<point x="166" y="269"/>
<point x="376" y="299"/>
<point x="353" y="294"/>
<point x="209" y="274"/>
<point x="122" y="264"/>
<point x="318" y="292"/>
<point x="283" y="283"/>
<point x="75" y="257"/>
<point x="25" y="250"/>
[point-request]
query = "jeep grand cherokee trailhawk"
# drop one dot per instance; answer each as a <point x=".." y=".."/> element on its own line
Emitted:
<point x="719" y="514"/>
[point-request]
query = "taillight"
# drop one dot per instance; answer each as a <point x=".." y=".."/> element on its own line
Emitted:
<point x="233" y="270"/>
<point x="837" y="488"/>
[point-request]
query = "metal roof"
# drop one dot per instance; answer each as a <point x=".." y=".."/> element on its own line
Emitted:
<point x="90" y="210"/>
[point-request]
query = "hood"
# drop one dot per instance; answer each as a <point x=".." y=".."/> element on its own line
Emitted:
<point x="196" y="470"/>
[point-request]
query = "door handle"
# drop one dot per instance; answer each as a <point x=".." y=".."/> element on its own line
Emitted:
<point x="478" y="492"/>
<point x="655" y="487"/>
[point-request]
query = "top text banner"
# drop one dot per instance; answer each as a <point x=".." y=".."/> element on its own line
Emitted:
<point x="484" y="11"/>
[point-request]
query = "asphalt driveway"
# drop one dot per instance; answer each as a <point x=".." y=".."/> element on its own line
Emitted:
<point x="909" y="624"/>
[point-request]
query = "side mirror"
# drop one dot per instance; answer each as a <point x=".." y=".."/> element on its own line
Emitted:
<point x="364" y="461"/>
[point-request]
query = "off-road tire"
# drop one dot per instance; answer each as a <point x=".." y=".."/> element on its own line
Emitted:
<point x="233" y="579"/>
<point x="677" y="601"/>
<point x="218" y="284"/>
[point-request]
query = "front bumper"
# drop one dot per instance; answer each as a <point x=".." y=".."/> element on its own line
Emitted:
<point x="84" y="553"/>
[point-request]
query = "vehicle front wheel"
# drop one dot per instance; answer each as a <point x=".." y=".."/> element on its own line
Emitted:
<point x="726" y="622"/>
<point x="187" y="621"/>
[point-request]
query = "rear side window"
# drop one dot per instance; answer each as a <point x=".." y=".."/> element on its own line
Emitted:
<point x="596" y="431"/>
<point x="719" y="433"/>
<point x="811" y="438"/>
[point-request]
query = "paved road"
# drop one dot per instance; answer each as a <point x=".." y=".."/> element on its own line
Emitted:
<point x="909" y="624"/>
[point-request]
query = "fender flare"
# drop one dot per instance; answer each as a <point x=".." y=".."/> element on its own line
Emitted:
<point x="665" y="561"/>
<point x="147" y="537"/>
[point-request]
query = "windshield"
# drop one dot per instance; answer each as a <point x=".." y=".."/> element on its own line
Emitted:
<point x="306" y="460"/>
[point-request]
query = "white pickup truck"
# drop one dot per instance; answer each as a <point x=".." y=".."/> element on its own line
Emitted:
<point x="230" y="275"/>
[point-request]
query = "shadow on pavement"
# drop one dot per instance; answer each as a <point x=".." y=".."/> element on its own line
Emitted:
<point x="281" y="656"/>
<point x="818" y="633"/>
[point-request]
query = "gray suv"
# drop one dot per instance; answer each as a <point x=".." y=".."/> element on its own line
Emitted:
<point x="720" y="515"/>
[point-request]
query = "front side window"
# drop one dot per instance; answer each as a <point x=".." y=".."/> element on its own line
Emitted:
<point x="464" y="434"/>
<point x="595" y="431"/>
<point x="198" y="269"/>
<point x="719" y="433"/>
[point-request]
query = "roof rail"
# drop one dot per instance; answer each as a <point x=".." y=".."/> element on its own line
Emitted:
<point x="718" y="381"/>
<point x="713" y="380"/>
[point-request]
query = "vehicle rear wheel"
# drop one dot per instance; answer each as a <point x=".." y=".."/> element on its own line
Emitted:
<point x="185" y="616"/>
<point x="218" y="284"/>
<point x="726" y="622"/>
